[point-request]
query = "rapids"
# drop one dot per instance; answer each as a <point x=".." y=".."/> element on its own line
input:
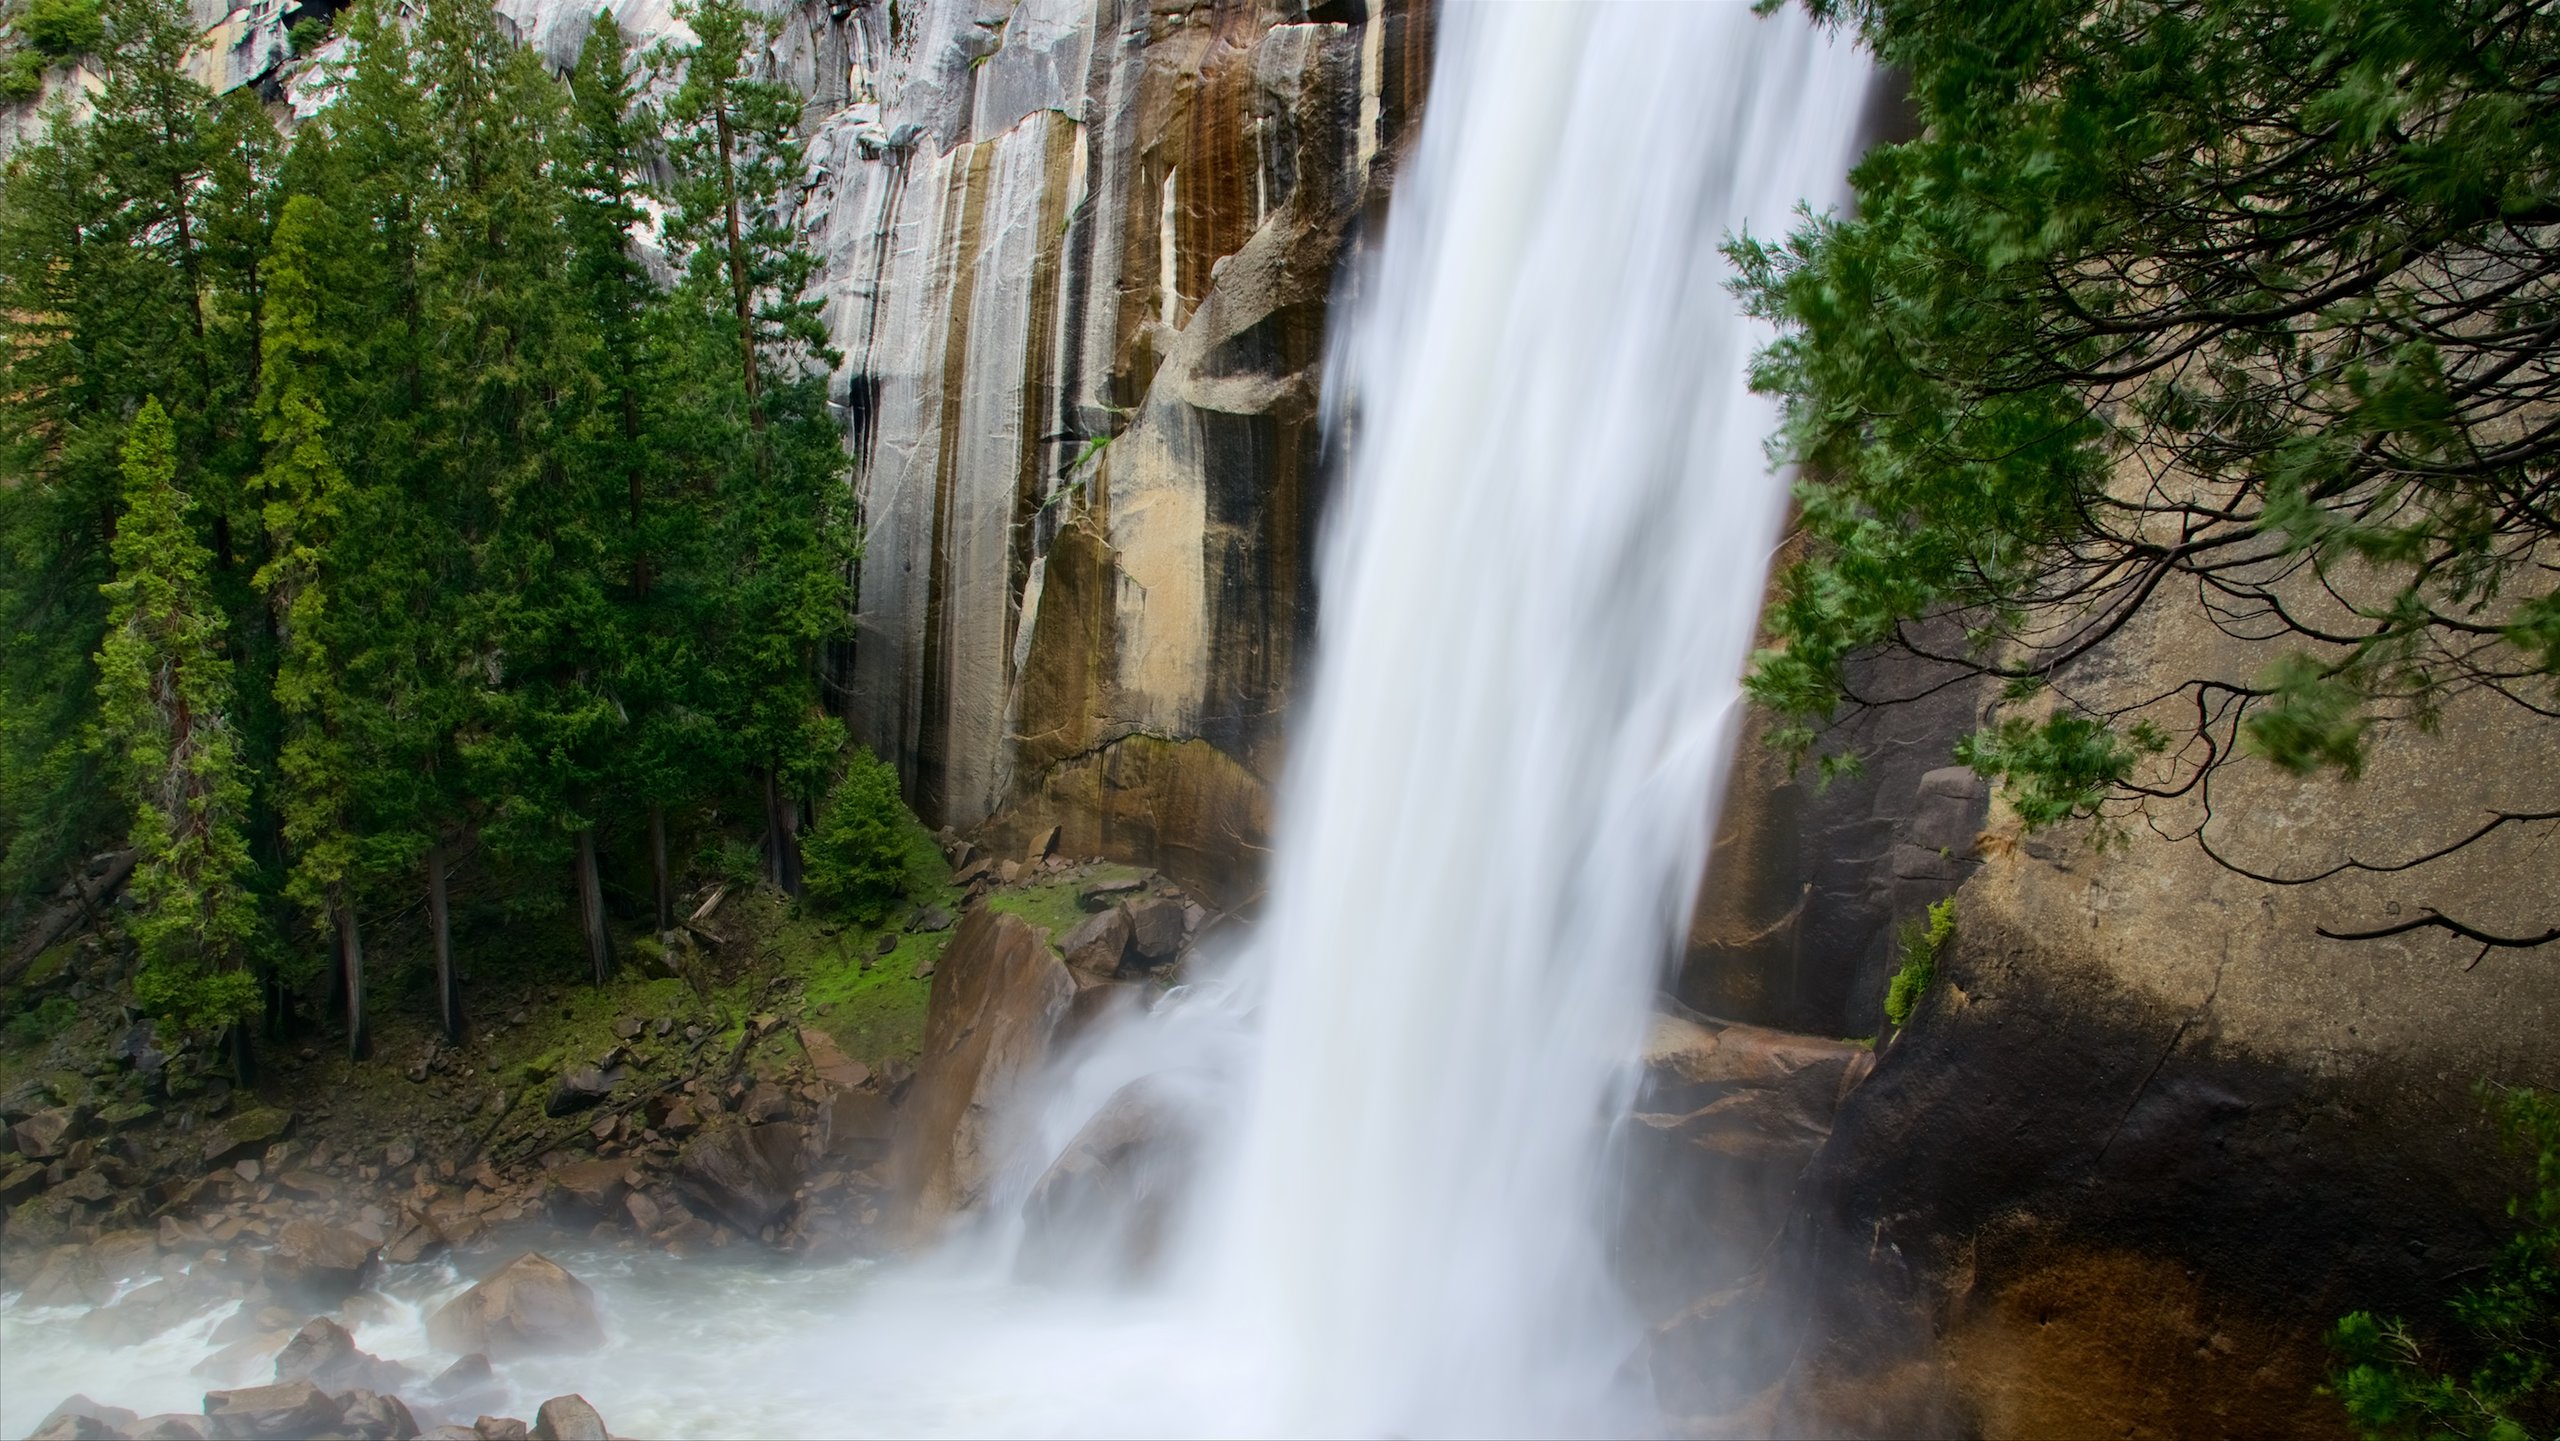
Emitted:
<point x="1541" y="579"/>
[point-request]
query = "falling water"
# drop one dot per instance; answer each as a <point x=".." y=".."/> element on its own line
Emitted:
<point x="1540" y="582"/>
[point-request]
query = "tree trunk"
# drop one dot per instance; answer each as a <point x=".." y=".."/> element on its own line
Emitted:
<point x="440" y="930"/>
<point x="243" y="1046"/>
<point x="591" y="908"/>
<point x="659" y="881"/>
<point x="781" y="838"/>
<point x="351" y="972"/>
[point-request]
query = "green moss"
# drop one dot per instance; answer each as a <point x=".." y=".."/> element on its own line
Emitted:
<point x="1053" y="905"/>
<point x="1921" y="943"/>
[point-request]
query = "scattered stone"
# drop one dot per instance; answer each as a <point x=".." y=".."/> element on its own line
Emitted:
<point x="746" y="1173"/>
<point x="245" y="1132"/>
<point x="580" y="1087"/>
<point x="1094" y="949"/>
<point x="304" y="1183"/>
<point x="375" y="1416"/>
<point x="568" y="1418"/>
<point x="581" y="1193"/>
<point x="125" y="1115"/>
<point x="253" y="1413"/>
<point x="924" y="970"/>
<point x="830" y="1062"/>
<point x="450" y="1433"/>
<point x="767" y="1102"/>
<point x="248" y="1170"/>
<point x="415" y="1242"/>
<point x="1192" y="917"/>
<point x="528" y="1305"/>
<point x="76" y="1428"/>
<point x="321" y="1265"/>
<point x="1155" y="930"/>
<point x="1103" y="895"/>
<point x="929" y="918"/>
<point x="48" y="1133"/>
<point x="498" y="1428"/>
<point x="84" y="1418"/>
<point x="674" y="1116"/>
<point x="90" y="1186"/>
<point x="19" y="1182"/>
<point x="169" y="1426"/>
<point x="628" y="1028"/>
<point x="397" y="1155"/>
<point x="888" y="942"/>
<point x="644" y="1213"/>
<point x="1043" y="844"/>
<point x="323" y="1354"/>
<point x="1008" y="872"/>
<point x="970" y="871"/>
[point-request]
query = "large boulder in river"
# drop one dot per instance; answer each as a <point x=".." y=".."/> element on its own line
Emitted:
<point x="323" y="1354"/>
<point x="745" y="1172"/>
<point x="529" y="1305"/>
<point x="997" y="999"/>
<point x="289" y="1409"/>
<point x="569" y="1418"/>
<point x="1103" y="1208"/>
<point x="319" y="1265"/>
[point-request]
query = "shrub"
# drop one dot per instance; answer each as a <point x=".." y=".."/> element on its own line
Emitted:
<point x="855" y="862"/>
<point x="63" y="28"/>
<point x="1921" y="943"/>
<point x="43" y="1021"/>
<point x="21" y="76"/>
<point x="2393" y="1390"/>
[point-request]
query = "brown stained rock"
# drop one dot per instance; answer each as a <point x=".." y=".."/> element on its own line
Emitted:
<point x="20" y="1181"/>
<point x="766" y="1102"/>
<point x="996" y="1001"/>
<point x="745" y="1173"/>
<point x="568" y="1418"/>
<point x="290" y="1409"/>
<point x="581" y="1087"/>
<point x="319" y="1265"/>
<point x="528" y="1306"/>
<point x="415" y="1241"/>
<point x="499" y="1428"/>
<point x="644" y="1213"/>
<point x="582" y="1193"/>
<point x="76" y="1428"/>
<point x="169" y="1426"/>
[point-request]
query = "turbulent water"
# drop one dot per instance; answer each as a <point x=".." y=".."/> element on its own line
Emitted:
<point x="1540" y="582"/>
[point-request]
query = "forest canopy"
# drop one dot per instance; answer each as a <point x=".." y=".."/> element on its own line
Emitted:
<point x="2246" y="305"/>
<point x="444" y="484"/>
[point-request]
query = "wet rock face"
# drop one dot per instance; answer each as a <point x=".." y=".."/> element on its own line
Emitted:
<point x="744" y="1171"/>
<point x="529" y="1305"/>
<point x="1102" y="1209"/>
<point x="998" y="996"/>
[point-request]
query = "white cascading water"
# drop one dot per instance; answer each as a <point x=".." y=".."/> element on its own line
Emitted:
<point x="1541" y="579"/>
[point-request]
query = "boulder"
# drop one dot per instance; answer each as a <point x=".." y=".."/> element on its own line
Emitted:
<point x="1102" y="1208"/>
<point x="319" y="1265"/>
<point x="995" y="1003"/>
<point x="415" y="1241"/>
<point x="830" y="1062"/>
<point x="292" y="1409"/>
<point x="568" y="1418"/>
<point x="1155" y="930"/>
<point x="246" y="1133"/>
<point x="581" y="1087"/>
<point x="465" y="1386"/>
<point x="1096" y="947"/>
<point x="498" y="1428"/>
<point x="855" y="1126"/>
<point x="582" y="1193"/>
<point x="78" y="1416"/>
<point x="744" y="1172"/>
<point x="1103" y="895"/>
<point x="20" y="1181"/>
<point x="323" y="1354"/>
<point x="48" y="1133"/>
<point x="527" y="1306"/>
<point x="76" y="1428"/>
<point x="375" y="1417"/>
<point x="767" y="1102"/>
<point x="169" y="1426"/>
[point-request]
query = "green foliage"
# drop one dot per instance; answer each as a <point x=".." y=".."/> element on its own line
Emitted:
<point x="2507" y="1385"/>
<point x="166" y="700"/>
<point x="1921" y="943"/>
<point x="63" y="28"/>
<point x="2239" y="299"/>
<point x="2061" y="770"/>
<point x="43" y="1021"/>
<point x="307" y="34"/>
<point x="857" y="856"/>
<point x="21" y="76"/>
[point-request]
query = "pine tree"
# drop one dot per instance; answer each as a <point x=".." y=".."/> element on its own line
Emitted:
<point x="165" y="698"/>
<point x="766" y="444"/>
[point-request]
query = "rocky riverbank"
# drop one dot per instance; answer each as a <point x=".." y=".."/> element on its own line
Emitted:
<point x="739" y="1092"/>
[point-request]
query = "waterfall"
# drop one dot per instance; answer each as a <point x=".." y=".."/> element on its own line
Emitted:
<point x="1540" y="588"/>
